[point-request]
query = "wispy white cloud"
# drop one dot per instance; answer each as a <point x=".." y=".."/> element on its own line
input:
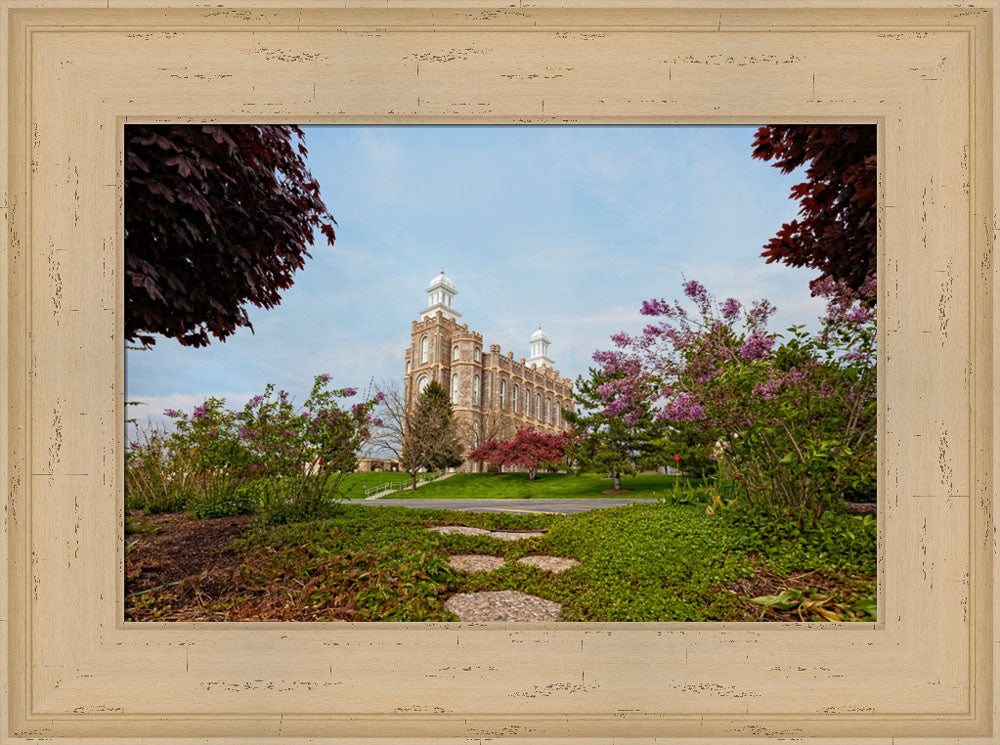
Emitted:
<point x="570" y="227"/>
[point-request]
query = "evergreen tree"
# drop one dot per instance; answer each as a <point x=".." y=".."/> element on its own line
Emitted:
<point x="607" y="442"/>
<point x="431" y="437"/>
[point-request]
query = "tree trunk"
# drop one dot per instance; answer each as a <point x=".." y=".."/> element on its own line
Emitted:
<point x="532" y="473"/>
<point x="413" y="480"/>
<point x="618" y="481"/>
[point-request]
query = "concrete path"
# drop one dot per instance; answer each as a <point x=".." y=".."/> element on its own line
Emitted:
<point x="550" y="506"/>
<point x="386" y="492"/>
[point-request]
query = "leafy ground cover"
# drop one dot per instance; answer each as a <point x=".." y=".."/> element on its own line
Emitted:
<point x="647" y="562"/>
<point x="545" y="486"/>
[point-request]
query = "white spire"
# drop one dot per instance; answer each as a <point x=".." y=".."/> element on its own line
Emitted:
<point x="539" y="343"/>
<point x="441" y="297"/>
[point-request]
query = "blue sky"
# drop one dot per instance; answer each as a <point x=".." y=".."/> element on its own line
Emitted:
<point x="571" y="227"/>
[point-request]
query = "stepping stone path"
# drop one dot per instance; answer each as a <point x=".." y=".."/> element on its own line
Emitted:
<point x="503" y="535"/>
<point x="552" y="564"/>
<point x="475" y="562"/>
<point x="503" y="605"/>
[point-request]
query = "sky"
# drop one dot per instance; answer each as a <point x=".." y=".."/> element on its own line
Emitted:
<point x="570" y="227"/>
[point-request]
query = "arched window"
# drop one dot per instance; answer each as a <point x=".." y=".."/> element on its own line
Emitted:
<point x="454" y="352"/>
<point x="503" y="393"/>
<point x="424" y="380"/>
<point x="407" y="366"/>
<point x="425" y="349"/>
<point x="548" y="411"/>
<point x="475" y="389"/>
<point x="454" y="387"/>
<point x="538" y="406"/>
<point x="527" y="402"/>
<point x="514" y="401"/>
<point x="476" y="354"/>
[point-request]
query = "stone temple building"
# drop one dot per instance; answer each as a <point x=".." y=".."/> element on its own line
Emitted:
<point x="492" y="393"/>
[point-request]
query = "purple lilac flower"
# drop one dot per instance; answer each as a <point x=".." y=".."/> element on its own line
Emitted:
<point x="256" y="400"/>
<point x="767" y="390"/>
<point x="200" y="412"/>
<point x="171" y="412"/>
<point x="655" y="308"/>
<point x="348" y="392"/>
<point x="380" y="396"/>
<point x="684" y="408"/>
<point x="760" y="311"/>
<point x="731" y="308"/>
<point x="756" y="346"/>
<point x="696" y="291"/>
<point x="324" y="378"/>
<point x="244" y="433"/>
<point x="794" y="377"/>
<point x="860" y="314"/>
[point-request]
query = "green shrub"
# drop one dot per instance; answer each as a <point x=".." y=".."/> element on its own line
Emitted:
<point x="287" y="501"/>
<point x="243" y="499"/>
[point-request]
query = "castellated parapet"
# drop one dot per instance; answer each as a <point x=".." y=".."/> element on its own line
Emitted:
<point x="492" y="394"/>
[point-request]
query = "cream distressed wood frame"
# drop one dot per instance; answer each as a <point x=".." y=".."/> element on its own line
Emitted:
<point x="78" y="70"/>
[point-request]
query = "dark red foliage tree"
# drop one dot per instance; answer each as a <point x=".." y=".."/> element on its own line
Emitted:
<point x="216" y="217"/>
<point x="529" y="449"/>
<point x="837" y="228"/>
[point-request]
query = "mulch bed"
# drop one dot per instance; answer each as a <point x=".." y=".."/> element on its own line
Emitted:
<point x="617" y="491"/>
<point x="188" y="570"/>
<point x="179" y="548"/>
<point x="765" y="582"/>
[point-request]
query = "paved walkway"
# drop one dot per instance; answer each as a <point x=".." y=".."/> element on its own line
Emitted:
<point x="551" y="506"/>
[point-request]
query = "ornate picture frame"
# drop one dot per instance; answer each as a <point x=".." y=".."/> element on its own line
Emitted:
<point x="78" y="70"/>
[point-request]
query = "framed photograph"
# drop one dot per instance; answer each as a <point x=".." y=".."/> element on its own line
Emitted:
<point x="98" y="646"/>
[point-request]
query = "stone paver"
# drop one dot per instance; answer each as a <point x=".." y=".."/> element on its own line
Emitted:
<point x="476" y="562"/>
<point x="503" y="605"/>
<point x="503" y="535"/>
<point x="459" y="529"/>
<point x="553" y="564"/>
<point x="516" y="535"/>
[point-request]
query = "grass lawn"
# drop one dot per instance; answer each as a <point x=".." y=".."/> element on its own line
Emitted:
<point x="354" y="484"/>
<point x="647" y="562"/>
<point x="545" y="486"/>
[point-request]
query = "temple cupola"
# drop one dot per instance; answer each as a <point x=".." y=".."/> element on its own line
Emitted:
<point x="539" y="343"/>
<point x="441" y="297"/>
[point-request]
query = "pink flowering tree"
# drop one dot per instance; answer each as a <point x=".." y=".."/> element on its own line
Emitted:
<point x="792" y="416"/>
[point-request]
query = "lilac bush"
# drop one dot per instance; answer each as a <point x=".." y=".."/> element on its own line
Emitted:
<point x="791" y="416"/>
<point x="303" y="453"/>
<point x="286" y="461"/>
<point x="206" y="442"/>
